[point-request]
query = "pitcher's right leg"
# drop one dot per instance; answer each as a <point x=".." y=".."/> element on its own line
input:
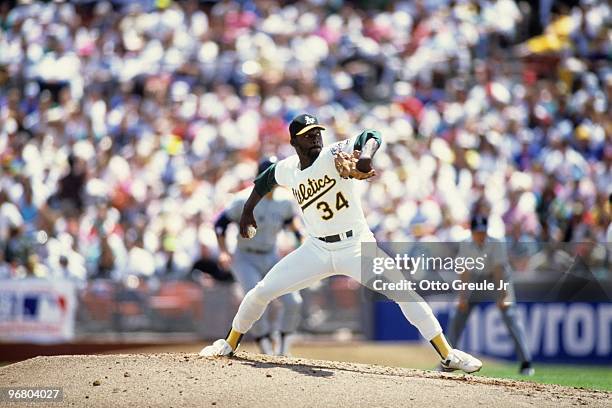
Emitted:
<point x="298" y="270"/>
<point x="246" y="273"/>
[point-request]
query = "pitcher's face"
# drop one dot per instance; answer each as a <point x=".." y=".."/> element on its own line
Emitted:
<point x="309" y="144"/>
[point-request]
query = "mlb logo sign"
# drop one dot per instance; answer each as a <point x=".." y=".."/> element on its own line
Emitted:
<point x="47" y="307"/>
<point x="36" y="310"/>
<point x="32" y="307"/>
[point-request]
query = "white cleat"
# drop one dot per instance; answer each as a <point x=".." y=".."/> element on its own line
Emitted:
<point x="527" y="372"/>
<point x="219" y="348"/>
<point x="526" y="369"/>
<point x="459" y="360"/>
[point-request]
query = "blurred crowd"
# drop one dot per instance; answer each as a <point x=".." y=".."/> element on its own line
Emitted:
<point x="125" y="127"/>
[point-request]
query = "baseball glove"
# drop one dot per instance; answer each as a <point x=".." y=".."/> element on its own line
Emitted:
<point x="346" y="165"/>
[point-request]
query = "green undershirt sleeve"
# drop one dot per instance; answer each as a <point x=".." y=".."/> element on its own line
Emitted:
<point x="365" y="136"/>
<point x="265" y="181"/>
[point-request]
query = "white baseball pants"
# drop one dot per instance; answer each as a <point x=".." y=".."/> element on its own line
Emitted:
<point x="315" y="260"/>
<point x="249" y="269"/>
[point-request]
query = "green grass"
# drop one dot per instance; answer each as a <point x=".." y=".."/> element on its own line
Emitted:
<point x="592" y="377"/>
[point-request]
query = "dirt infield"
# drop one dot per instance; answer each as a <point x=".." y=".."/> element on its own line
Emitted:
<point x="250" y="380"/>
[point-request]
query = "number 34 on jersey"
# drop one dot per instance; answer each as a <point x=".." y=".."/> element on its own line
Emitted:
<point x="327" y="212"/>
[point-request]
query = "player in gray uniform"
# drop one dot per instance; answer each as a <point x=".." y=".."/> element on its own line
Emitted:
<point x="253" y="258"/>
<point x="496" y="268"/>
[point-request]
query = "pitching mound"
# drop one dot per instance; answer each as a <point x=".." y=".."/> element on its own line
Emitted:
<point x="250" y="380"/>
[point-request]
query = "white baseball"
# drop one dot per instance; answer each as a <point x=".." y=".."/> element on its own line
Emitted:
<point x="251" y="231"/>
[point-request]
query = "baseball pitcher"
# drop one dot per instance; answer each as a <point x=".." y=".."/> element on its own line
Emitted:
<point x="322" y="180"/>
<point x="254" y="257"/>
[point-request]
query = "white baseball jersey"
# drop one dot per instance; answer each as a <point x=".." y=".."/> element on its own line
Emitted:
<point x="329" y="203"/>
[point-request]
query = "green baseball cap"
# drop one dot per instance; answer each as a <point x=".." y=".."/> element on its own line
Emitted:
<point x="303" y="123"/>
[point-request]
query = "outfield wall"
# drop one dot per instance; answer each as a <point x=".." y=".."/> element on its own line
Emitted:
<point x="556" y="332"/>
